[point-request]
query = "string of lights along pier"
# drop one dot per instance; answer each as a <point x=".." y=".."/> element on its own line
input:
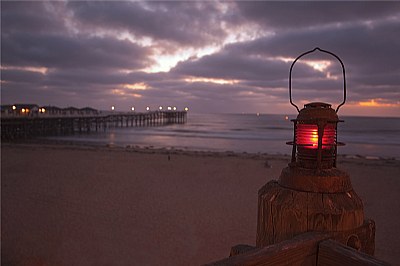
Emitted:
<point x="20" y="121"/>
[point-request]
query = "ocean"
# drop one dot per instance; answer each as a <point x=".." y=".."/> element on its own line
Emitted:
<point x="374" y="137"/>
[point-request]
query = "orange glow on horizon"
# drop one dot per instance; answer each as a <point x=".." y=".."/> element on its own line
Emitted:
<point x="377" y="103"/>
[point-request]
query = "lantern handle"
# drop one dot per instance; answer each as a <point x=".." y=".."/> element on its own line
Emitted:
<point x="343" y="71"/>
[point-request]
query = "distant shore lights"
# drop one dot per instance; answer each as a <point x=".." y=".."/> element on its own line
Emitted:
<point x="112" y="108"/>
<point x="133" y="109"/>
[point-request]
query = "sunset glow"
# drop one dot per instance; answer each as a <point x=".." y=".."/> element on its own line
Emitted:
<point x="320" y="66"/>
<point x="211" y="80"/>
<point x="118" y="92"/>
<point x="136" y="86"/>
<point x="378" y="103"/>
<point x="42" y="70"/>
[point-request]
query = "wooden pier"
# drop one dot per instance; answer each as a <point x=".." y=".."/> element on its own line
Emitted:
<point x="23" y="127"/>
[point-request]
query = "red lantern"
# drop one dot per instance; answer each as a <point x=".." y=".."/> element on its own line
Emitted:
<point x="315" y="130"/>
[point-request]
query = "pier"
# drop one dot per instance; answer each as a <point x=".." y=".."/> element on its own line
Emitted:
<point x="23" y="127"/>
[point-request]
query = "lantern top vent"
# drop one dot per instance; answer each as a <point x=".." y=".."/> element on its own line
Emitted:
<point x="317" y="105"/>
<point x="317" y="111"/>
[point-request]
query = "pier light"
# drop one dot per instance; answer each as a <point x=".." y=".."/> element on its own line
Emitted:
<point x="14" y="107"/>
<point x="23" y="110"/>
<point x="174" y="108"/>
<point x="186" y="109"/>
<point x="112" y="108"/>
<point x="160" y="108"/>
<point x="147" y="108"/>
<point x="312" y="175"/>
<point x="169" y="108"/>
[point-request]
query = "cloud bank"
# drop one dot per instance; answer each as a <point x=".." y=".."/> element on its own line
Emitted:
<point x="211" y="56"/>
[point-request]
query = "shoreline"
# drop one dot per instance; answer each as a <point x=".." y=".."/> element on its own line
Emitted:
<point x="171" y="150"/>
<point x="104" y="205"/>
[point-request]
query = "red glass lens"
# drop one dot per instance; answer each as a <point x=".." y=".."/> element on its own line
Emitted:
<point x="307" y="136"/>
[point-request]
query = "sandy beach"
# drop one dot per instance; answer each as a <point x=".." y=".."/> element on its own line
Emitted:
<point x="81" y="205"/>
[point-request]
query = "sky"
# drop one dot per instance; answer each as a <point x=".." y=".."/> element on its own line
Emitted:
<point x="209" y="56"/>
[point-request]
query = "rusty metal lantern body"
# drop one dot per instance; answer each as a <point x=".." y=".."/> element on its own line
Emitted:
<point x="315" y="136"/>
<point x="311" y="193"/>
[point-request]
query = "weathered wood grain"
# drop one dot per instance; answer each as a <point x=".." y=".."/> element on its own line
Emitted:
<point x="284" y="213"/>
<point x="332" y="253"/>
<point x="331" y="180"/>
<point x="365" y="234"/>
<point x="301" y="250"/>
<point x="241" y="249"/>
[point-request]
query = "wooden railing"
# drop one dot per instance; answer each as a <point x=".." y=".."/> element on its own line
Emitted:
<point x="306" y="249"/>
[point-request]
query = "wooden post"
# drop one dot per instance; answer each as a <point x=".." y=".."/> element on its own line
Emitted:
<point x="304" y="200"/>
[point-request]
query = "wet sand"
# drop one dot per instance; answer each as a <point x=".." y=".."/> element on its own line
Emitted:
<point x="70" y="205"/>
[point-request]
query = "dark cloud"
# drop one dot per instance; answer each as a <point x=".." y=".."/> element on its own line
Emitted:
<point x="292" y="15"/>
<point x="71" y="52"/>
<point x="356" y="44"/>
<point x="237" y="66"/>
<point x="86" y="53"/>
<point x="31" y="16"/>
<point x="371" y="54"/>
<point x="183" y="23"/>
<point x="22" y="76"/>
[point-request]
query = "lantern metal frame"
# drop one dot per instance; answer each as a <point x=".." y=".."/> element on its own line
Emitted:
<point x="322" y="115"/>
<point x="343" y="72"/>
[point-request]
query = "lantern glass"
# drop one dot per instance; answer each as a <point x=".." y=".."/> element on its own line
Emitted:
<point x="311" y="152"/>
<point x="307" y="136"/>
